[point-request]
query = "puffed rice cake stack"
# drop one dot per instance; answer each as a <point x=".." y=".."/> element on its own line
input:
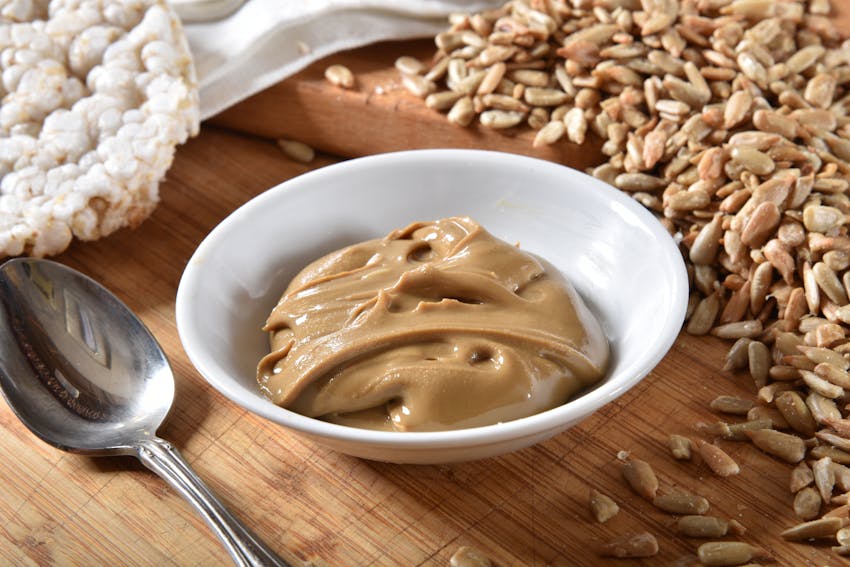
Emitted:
<point x="96" y="95"/>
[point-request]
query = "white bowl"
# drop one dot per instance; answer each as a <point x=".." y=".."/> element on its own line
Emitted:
<point x="616" y="254"/>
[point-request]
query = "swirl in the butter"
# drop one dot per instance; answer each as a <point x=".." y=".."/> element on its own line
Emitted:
<point x="437" y="326"/>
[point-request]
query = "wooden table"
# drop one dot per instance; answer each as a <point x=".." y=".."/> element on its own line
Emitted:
<point x="314" y="505"/>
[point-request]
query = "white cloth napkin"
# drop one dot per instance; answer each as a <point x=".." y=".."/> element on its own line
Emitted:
<point x="266" y="41"/>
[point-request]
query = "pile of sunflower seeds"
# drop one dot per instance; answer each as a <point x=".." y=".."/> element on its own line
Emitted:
<point x="730" y="119"/>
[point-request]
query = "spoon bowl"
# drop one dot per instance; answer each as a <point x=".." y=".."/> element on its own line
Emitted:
<point x="79" y="369"/>
<point x="84" y="374"/>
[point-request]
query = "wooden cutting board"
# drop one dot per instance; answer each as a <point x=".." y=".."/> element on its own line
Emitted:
<point x="378" y="115"/>
<point x="317" y="506"/>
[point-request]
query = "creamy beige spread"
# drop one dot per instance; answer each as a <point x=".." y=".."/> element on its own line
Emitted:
<point x="436" y="326"/>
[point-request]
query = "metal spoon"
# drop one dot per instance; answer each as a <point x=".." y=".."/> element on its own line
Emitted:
<point x="86" y="376"/>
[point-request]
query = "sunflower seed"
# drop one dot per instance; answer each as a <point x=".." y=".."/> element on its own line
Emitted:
<point x="824" y="410"/>
<point x="654" y="147"/>
<point x="462" y="112"/>
<point x="783" y="373"/>
<point x="761" y="225"/>
<point x="796" y="412"/>
<point x="549" y="134"/>
<point x="761" y="280"/>
<point x="824" y="528"/>
<point x="539" y="117"/>
<point x="717" y="459"/>
<point x="837" y="260"/>
<point x="769" y="121"/>
<point x="779" y="257"/>
<point x="631" y="546"/>
<point x="769" y="414"/>
<point x="753" y="159"/>
<point x="702" y="526"/>
<point x="824" y="477"/>
<point x="818" y="218"/>
<point x="807" y="504"/>
<point x="503" y="102"/>
<point x="751" y="328"/>
<point x="752" y="68"/>
<point x="500" y="119"/>
<point x="837" y="441"/>
<point x="787" y="447"/>
<point x="537" y="96"/>
<point x="738" y="355"/>
<point x="841" y="426"/>
<point x="731" y="405"/>
<point x="704" y="316"/>
<point x="738" y="431"/>
<point x="768" y="393"/>
<point x="297" y="151"/>
<point x="340" y="76"/>
<point x="728" y="553"/>
<point x="837" y="455"/>
<point x="602" y="507"/>
<point x="438" y="70"/>
<point x="641" y="478"/>
<point x="681" y="502"/>
<point x="674" y="108"/>
<point x="820" y="90"/>
<point x="494" y="75"/>
<point x="801" y="477"/>
<point x="804" y="58"/>
<point x="842" y="536"/>
<point x="442" y="100"/>
<point x="639" y="182"/>
<point x="530" y="77"/>
<point x="680" y="447"/>
<point x="833" y="374"/>
<point x="409" y="65"/>
<point x="417" y="85"/>
<point x="576" y="125"/>
<point x="821" y="386"/>
<point x="824" y="355"/>
<point x="737" y="108"/>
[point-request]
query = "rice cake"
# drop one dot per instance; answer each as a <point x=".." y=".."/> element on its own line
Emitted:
<point x="96" y="95"/>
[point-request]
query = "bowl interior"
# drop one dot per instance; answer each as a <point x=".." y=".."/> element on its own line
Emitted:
<point x="615" y="253"/>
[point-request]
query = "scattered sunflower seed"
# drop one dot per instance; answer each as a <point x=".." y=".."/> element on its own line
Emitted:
<point x="340" y="76"/>
<point x="641" y="478"/>
<point x="728" y="553"/>
<point x="702" y="526"/>
<point x="642" y="544"/>
<point x="680" y="502"/>
<point x="297" y="151"/>
<point x="602" y="506"/>
<point x="731" y="405"/>
<point x="717" y="459"/>
<point x="680" y="447"/>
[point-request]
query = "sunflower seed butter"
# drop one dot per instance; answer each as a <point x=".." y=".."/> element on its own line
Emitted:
<point x="437" y="326"/>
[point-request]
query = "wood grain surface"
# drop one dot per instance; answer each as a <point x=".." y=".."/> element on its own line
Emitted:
<point x="314" y="505"/>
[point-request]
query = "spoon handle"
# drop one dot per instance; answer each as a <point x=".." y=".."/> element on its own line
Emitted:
<point x="246" y="549"/>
